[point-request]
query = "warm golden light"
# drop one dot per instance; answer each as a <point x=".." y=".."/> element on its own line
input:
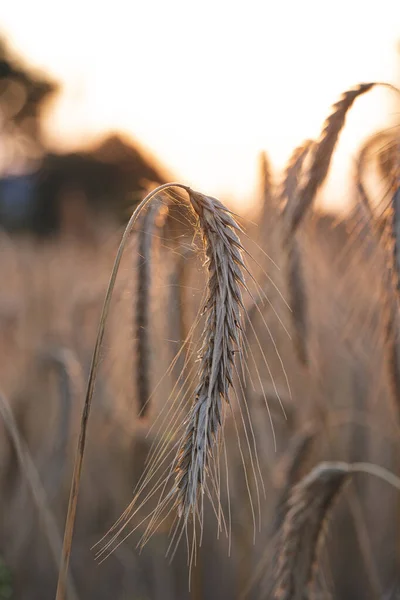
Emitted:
<point x="207" y="85"/>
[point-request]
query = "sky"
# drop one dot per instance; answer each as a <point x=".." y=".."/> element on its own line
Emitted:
<point x="206" y="85"/>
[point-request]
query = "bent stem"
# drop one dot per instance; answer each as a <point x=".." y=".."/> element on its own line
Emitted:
<point x="76" y="477"/>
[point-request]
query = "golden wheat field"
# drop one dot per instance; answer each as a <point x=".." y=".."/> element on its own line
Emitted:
<point x="243" y="437"/>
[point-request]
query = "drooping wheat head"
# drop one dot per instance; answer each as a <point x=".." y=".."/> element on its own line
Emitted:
<point x="295" y="460"/>
<point x="221" y="341"/>
<point x="193" y="445"/>
<point x="300" y="536"/>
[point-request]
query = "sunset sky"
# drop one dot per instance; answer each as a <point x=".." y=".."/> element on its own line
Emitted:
<point x="206" y="85"/>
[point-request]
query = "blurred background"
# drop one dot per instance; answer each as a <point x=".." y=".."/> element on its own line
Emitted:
<point x="100" y="103"/>
<point x="204" y="88"/>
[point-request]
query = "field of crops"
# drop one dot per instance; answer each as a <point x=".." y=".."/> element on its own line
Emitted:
<point x="243" y="440"/>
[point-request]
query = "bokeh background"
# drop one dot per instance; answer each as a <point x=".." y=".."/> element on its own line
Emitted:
<point x="99" y="103"/>
<point x="206" y="87"/>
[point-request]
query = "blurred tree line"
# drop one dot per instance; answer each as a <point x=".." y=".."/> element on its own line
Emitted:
<point x="43" y="191"/>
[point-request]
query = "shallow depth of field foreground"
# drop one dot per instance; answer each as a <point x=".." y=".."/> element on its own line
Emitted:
<point x="243" y="440"/>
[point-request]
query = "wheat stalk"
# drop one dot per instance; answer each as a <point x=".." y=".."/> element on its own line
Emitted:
<point x="300" y="536"/>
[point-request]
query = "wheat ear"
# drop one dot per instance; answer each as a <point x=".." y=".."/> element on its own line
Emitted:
<point x="396" y="238"/>
<point x="143" y="302"/>
<point x="392" y="334"/>
<point x="297" y="298"/>
<point x="267" y="190"/>
<point x="70" y="380"/>
<point x="323" y="151"/>
<point x="266" y="178"/>
<point x="361" y="163"/>
<point x="287" y="473"/>
<point x="390" y="240"/>
<point x="388" y="155"/>
<point x="294" y="461"/>
<point x="301" y="533"/>
<point x="297" y="293"/>
<point x="290" y="185"/>
<point x="221" y="340"/>
<point x="392" y="340"/>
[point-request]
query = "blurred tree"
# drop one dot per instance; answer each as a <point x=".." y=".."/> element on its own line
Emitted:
<point x="110" y="178"/>
<point x="45" y="191"/>
<point x="23" y="95"/>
